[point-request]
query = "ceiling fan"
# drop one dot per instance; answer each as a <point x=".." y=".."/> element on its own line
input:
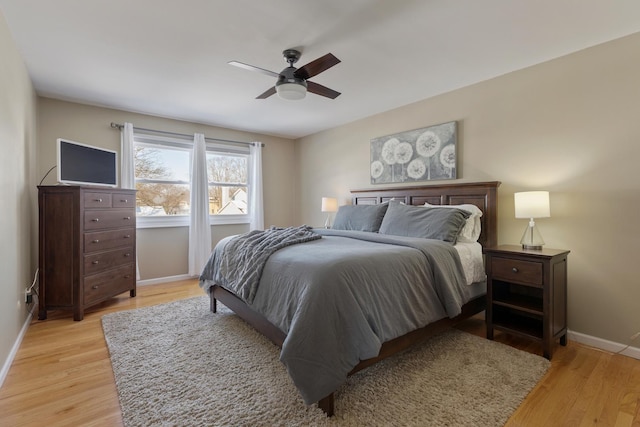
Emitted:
<point x="293" y="82"/>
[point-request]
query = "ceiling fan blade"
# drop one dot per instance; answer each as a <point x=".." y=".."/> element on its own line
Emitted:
<point x="253" y="68"/>
<point x="321" y="90"/>
<point x="314" y="68"/>
<point x="267" y="93"/>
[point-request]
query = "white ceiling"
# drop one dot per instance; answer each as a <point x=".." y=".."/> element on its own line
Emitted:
<point x="169" y="58"/>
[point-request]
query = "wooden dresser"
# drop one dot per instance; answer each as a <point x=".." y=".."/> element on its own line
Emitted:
<point x="87" y="246"/>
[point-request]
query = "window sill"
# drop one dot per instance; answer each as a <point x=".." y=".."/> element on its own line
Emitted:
<point x="183" y="221"/>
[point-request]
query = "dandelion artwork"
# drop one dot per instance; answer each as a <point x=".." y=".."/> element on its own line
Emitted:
<point x="417" y="155"/>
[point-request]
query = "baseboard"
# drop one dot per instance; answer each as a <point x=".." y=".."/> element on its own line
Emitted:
<point x="605" y="345"/>
<point x="16" y="346"/>
<point x="164" y="280"/>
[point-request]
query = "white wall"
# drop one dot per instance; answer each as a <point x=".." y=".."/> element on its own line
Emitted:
<point x="18" y="224"/>
<point x="570" y="126"/>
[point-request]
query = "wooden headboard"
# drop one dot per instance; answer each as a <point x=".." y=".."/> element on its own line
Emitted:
<point x="482" y="194"/>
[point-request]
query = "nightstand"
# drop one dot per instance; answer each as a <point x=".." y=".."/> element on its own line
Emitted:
<point x="527" y="294"/>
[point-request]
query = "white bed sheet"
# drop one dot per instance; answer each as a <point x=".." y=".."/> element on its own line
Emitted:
<point x="472" y="261"/>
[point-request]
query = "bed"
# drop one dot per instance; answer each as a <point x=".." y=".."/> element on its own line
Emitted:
<point x="350" y="322"/>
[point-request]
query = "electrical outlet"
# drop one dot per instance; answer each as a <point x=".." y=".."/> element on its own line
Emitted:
<point x="28" y="296"/>
<point x="635" y="336"/>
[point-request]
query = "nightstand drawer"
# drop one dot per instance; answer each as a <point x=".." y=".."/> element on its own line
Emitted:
<point x="513" y="270"/>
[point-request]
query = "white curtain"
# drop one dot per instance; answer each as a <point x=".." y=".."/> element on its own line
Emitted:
<point x="199" y="226"/>
<point x="256" y="214"/>
<point x="127" y="166"/>
<point x="128" y="179"/>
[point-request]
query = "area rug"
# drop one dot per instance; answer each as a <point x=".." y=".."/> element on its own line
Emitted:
<point x="178" y="364"/>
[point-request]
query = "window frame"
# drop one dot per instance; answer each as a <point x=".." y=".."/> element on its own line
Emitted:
<point x="220" y="148"/>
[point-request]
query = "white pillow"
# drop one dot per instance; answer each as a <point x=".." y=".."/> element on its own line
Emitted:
<point x="470" y="233"/>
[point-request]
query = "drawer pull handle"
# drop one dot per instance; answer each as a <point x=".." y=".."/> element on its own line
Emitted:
<point x="97" y="200"/>
<point x="95" y="241"/>
<point x="126" y="276"/>
<point x="514" y="269"/>
<point x="94" y="287"/>
<point x="124" y="201"/>
<point x="126" y="255"/>
<point x="96" y="220"/>
<point x="127" y="236"/>
<point x="95" y="262"/>
<point x="127" y="218"/>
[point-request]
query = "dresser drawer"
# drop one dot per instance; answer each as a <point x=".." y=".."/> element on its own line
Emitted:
<point x="104" y="240"/>
<point x="105" y="260"/>
<point x="513" y="270"/>
<point x="97" y="200"/>
<point x="112" y="218"/>
<point x="123" y="200"/>
<point x="109" y="283"/>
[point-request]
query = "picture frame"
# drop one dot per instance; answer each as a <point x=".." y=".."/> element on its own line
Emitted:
<point x="424" y="154"/>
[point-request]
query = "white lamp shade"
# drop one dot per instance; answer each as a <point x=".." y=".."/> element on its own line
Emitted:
<point x="532" y="204"/>
<point x="329" y="204"/>
<point x="291" y="91"/>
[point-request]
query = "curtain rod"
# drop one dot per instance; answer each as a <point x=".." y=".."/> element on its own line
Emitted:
<point x="119" y="127"/>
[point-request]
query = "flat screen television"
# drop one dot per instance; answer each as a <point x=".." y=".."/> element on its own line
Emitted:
<point x="86" y="165"/>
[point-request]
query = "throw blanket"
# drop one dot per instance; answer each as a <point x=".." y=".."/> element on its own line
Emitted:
<point x="240" y="265"/>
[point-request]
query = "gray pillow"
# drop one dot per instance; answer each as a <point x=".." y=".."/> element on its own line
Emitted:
<point x="360" y="217"/>
<point x="427" y="223"/>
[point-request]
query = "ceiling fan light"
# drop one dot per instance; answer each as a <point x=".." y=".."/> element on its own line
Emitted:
<point x="291" y="91"/>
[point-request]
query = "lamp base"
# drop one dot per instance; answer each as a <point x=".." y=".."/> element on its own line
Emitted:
<point x="327" y="223"/>
<point x="533" y="248"/>
<point x="531" y="238"/>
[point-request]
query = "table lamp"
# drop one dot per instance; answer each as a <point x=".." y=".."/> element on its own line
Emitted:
<point x="532" y="204"/>
<point x="329" y="205"/>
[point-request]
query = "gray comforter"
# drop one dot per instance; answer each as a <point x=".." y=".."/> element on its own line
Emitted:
<point x="239" y="267"/>
<point x="340" y="297"/>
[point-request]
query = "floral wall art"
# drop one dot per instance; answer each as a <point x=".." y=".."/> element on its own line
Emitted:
<point x="416" y="155"/>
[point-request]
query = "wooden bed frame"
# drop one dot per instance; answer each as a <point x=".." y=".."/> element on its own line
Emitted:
<point x="482" y="194"/>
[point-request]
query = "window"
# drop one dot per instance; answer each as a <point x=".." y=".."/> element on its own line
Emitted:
<point x="162" y="177"/>
<point x="228" y="189"/>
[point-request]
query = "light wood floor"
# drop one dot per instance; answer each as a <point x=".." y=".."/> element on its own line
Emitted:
<point x="62" y="375"/>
